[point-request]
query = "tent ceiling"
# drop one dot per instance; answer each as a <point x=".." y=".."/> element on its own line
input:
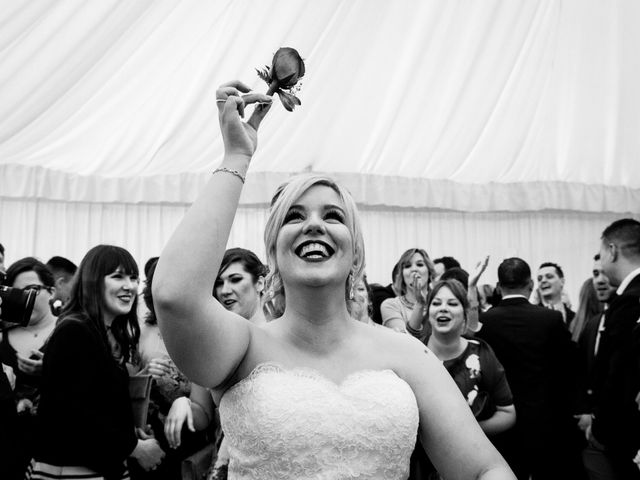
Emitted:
<point x="458" y="105"/>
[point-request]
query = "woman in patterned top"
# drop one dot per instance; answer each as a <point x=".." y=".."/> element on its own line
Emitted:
<point x="471" y="362"/>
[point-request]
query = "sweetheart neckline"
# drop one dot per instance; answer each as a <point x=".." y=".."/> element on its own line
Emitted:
<point x="310" y="372"/>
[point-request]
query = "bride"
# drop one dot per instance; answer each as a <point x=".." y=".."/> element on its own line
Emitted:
<point x="312" y="394"/>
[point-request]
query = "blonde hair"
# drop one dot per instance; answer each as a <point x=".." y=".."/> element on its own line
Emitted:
<point x="285" y="196"/>
<point x="399" y="285"/>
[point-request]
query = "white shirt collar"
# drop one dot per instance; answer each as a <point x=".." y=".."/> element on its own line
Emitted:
<point x="516" y="295"/>
<point x="627" y="280"/>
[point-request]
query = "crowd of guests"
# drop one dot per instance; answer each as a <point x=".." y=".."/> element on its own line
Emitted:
<point x="556" y="391"/>
<point x="302" y="369"/>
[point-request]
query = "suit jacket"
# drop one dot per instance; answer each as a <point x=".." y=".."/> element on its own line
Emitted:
<point x="535" y="348"/>
<point x="569" y="314"/>
<point x="617" y="374"/>
<point x="586" y="365"/>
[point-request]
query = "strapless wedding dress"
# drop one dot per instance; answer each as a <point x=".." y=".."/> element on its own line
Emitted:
<point x="296" y="424"/>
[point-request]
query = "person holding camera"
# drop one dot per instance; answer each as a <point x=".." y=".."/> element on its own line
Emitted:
<point x="86" y="424"/>
<point x="22" y="346"/>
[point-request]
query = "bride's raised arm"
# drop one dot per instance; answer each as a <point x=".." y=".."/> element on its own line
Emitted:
<point x="206" y="341"/>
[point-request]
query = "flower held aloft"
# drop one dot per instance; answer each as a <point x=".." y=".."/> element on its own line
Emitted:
<point x="287" y="68"/>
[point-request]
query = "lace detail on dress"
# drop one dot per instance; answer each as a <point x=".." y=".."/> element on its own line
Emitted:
<point x="297" y="424"/>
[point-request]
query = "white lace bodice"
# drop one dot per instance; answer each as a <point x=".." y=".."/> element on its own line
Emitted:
<point x="297" y="424"/>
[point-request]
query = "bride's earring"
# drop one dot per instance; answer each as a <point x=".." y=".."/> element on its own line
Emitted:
<point x="351" y="286"/>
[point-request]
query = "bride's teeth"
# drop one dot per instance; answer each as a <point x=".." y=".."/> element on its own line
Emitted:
<point x="314" y="247"/>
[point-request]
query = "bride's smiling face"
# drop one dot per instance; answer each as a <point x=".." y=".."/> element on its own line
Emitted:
<point x="314" y="245"/>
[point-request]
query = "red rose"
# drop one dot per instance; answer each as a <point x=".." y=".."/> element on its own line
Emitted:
<point x="287" y="68"/>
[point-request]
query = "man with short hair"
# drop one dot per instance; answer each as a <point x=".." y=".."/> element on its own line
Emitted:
<point x="536" y="350"/>
<point x="616" y="424"/>
<point x="443" y="264"/>
<point x="63" y="271"/>
<point x="595" y="460"/>
<point x="550" y="289"/>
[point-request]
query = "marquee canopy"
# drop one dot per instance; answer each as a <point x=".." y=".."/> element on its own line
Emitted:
<point x="492" y="106"/>
<point x="522" y="105"/>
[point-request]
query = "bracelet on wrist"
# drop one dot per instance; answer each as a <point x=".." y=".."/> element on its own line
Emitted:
<point x="412" y="330"/>
<point x="232" y="172"/>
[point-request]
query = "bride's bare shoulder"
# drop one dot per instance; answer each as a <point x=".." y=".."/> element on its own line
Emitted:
<point x="394" y="343"/>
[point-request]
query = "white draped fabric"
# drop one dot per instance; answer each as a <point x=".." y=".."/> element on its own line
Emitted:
<point x="569" y="238"/>
<point x="505" y="127"/>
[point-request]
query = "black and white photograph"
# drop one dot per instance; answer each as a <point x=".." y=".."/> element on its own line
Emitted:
<point x="319" y="240"/>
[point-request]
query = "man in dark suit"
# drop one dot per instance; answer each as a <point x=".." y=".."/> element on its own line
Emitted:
<point x="551" y="290"/>
<point x="535" y="348"/>
<point x="616" y="424"/>
<point x="594" y="457"/>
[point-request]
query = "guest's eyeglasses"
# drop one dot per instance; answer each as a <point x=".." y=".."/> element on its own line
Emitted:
<point x="37" y="288"/>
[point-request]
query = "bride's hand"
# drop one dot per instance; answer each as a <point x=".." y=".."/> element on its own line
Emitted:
<point x="240" y="138"/>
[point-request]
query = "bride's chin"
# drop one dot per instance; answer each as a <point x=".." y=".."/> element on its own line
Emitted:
<point x="316" y="280"/>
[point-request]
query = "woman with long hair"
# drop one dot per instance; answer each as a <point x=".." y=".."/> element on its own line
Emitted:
<point x="312" y="393"/>
<point x="411" y="284"/>
<point x="588" y="306"/>
<point x="86" y="425"/>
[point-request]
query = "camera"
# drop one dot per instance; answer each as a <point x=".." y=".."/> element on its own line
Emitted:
<point x="17" y="304"/>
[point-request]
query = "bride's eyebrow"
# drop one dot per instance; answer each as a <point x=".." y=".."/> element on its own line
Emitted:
<point x="331" y="206"/>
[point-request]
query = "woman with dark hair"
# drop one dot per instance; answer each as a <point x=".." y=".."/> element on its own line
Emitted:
<point x="22" y="347"/>
<point x="86" y="425"/>
<point x="239" y="287"/>
<point x="411" y="284"/>
<point x="470" y="362"/>
<point x="240" y="284"/>
<point x="588" y="306"/>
